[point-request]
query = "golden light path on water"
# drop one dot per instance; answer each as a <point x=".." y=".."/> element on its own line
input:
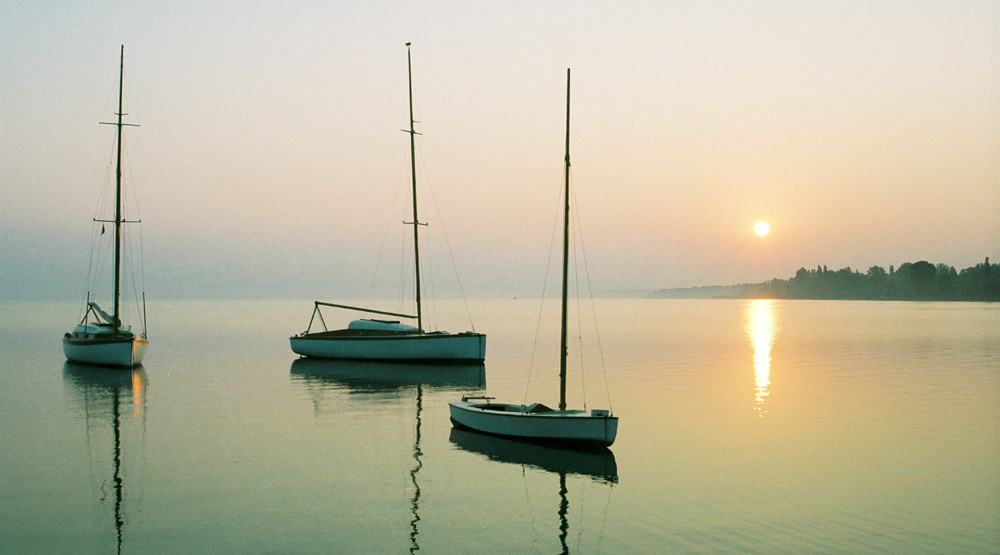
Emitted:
<point x="761" y="326"/>
<point x="138" y="390"/>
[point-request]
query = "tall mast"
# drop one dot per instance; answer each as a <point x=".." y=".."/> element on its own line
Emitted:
<point x="565" y="268"/>
<point x="118" y="197"/>
<point x="413" y="181"/>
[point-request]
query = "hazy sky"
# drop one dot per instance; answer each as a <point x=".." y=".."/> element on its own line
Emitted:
<point x="270" y="153"/>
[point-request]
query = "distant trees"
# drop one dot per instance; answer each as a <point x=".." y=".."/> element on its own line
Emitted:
<point x="917" y="281"/>
<point x="877" y="285"/>
<point x="911" y="281"/>
<point x="981" y="282"/>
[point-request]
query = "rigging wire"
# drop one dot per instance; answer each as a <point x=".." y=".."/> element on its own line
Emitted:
<point x="444" y="232"/>
<point x="593" y="311"/>
<point x="354" y="193"/>
<point x="133" y="147"/>
<point x="582" y="502"/>
<point x="385" y="234"/>
<point x="100" y="250"/>
<point x="529" y="504"/>
<point x="577" y="243"/>
<point x="429" y="291"/>
<point x="94" y="236"/>
<point x="142" y="269"/>
<point x="604" y="519"/>
<point x="131" y="198"/>
<point x="545" y="283"/>
<point x="403" y="285"/>
<point x="579" y="251"/>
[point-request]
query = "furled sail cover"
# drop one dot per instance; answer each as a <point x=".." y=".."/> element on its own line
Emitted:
<point x="101" y="313"/>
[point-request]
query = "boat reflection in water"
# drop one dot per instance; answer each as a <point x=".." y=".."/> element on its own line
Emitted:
<point x="386" y="377"/>
<point x="109" y="395"/>
<point x="361" y="376"/>
<point x="599" y="466"/>
<point x="761" y="327"/>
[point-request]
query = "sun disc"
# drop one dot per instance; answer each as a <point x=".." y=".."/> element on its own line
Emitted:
<point x="761" y="228"/>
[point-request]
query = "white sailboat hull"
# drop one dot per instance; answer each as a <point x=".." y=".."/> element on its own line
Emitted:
<point x="568" y="428"/>
<point x="417" y="347"/>
<point x="124" y="352"/>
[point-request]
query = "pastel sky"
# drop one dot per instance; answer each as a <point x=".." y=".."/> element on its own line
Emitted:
<point x="269" y="157"/>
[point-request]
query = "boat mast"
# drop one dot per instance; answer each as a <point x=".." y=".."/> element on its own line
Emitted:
<point x="413" y="181"/>
<point x="118" y="197"/>
<point x="565" y="268"/>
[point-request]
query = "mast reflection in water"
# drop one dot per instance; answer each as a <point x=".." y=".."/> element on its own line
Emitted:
<point x="417" y="453"/>
<point x="761" y="327"/>
<point x="320" y="375"/>
<point x="101" y="391"/>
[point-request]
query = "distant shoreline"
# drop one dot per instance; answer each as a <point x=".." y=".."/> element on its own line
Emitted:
<point x="917" y="281"/>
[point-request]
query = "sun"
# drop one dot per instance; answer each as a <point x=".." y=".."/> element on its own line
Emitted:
<point x="761" y="228"/>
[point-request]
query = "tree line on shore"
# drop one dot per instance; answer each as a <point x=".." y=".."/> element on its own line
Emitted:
<point x="916" y="281"/>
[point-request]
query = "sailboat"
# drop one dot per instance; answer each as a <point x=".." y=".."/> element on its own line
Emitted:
<point x="537" y="423"/>
<point x="101" y="338"/>
<point x="385" y="339"/>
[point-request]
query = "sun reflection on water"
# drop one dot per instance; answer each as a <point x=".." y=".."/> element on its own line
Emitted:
<point x="761" y="326"/>
<point x="138" y="390"/>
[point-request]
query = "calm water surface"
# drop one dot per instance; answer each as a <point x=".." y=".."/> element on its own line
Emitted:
<point x="746" y="426"/>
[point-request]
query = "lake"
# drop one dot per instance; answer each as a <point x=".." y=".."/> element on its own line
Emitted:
<point x="753" y="426"/>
